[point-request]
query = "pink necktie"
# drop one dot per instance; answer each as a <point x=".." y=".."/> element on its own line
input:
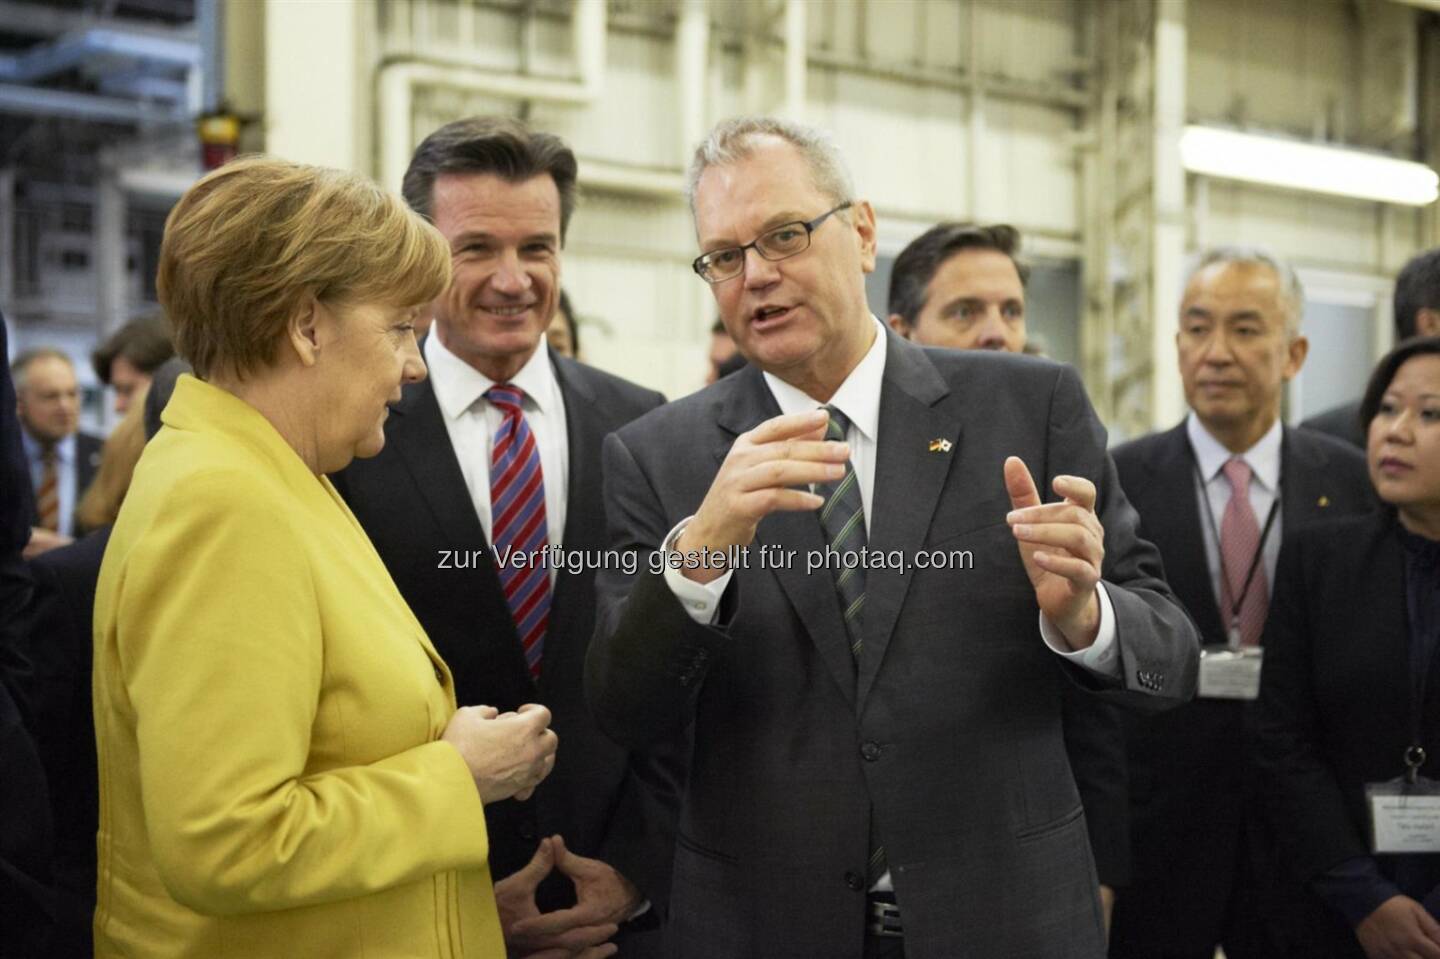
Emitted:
<point x="1239" y="547"/>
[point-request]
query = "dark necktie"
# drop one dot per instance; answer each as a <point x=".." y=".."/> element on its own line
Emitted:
<point x="517" y="511"/>
<point x="843" y="519"/>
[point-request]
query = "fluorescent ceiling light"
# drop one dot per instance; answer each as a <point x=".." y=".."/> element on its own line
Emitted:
<point x="1307" y="166"/>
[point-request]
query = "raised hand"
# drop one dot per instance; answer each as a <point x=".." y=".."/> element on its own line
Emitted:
<point x="758" y="478"/>
<point x="1062" y="546"/>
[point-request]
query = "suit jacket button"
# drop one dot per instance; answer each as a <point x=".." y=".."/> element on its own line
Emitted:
<point x="871" y="751"/>
<point x="853" y="881"/>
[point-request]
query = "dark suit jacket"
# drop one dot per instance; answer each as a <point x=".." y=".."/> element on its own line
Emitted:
<point x="415" y="507"/>
<point x="27" y="906"/>
<point x="952" y="727"/>
<point x="1343" y="423"/>
<point x="1190" y="777"/>
<point x="59" y="645"/>
<point x="1334" y="710"/>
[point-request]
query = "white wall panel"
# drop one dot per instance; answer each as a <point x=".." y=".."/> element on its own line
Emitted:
<point x="1281" y="64"/>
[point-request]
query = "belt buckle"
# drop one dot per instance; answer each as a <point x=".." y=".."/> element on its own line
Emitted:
<point x="884" y="920"/>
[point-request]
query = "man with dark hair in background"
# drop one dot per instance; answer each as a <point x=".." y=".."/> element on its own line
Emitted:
<point x="497" y="453"/>
<point x="126" y="361"/>
<point x="62" y="459"/>
<point x="963" y="287"/>
<point x="1417" y="313"/>
<point x="1218" y="494"/>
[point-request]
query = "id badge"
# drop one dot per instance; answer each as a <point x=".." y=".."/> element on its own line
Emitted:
<point x="1227" y="673"/>
<point x="1404" y="817"/>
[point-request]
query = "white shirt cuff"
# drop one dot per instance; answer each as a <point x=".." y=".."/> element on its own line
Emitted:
<point x="1100" y="656"/>
<point x="701" y="600"/>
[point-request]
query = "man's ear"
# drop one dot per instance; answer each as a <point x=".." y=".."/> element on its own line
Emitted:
<point x="303" y="331"/>
<point x="863" y="215"/>
<point x="1427" y="321"/>
<point x="898" y="324"/>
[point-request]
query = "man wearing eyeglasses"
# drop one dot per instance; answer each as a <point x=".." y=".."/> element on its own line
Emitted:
<point x="877" y="765"/>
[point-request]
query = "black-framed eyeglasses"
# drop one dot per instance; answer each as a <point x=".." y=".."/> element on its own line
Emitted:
<point x="776" y="243"/>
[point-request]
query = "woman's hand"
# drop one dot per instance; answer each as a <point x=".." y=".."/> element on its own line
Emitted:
<point x="508" y="754"/>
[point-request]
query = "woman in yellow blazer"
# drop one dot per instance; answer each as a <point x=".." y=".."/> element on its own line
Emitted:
<point x="283" y="770"/>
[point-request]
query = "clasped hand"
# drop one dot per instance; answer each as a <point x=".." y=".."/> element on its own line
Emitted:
<point x="604" y="899"/>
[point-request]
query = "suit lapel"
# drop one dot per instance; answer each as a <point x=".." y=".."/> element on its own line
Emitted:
<point x="584" y="429"/>
<point x="423" y="443"/>
<point x="1305" y="488"/>
<point x="909" y="478"/>
<point x="748" y="405"/>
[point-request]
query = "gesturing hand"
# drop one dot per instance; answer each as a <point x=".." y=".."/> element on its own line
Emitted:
<point x="756" y="480"/>
<point x="564" y="934"/>
<point x="1062" y="546"/>
<point x="1399" y="928"/>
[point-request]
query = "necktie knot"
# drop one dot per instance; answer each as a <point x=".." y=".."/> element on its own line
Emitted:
<point x="510" y="399"/>
<point x="1237" y="471"/>
<point x="838" y="426"/>
<point x="49" y="455"/>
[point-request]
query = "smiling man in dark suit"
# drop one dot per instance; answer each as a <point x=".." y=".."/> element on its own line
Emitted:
<point x="497" y="454"/>
<point x="1217" y="494"/>
<point x="877" y="763"/>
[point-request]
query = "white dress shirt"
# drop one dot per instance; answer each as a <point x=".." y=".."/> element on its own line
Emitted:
<point x="471" y="420"/>
<point x="67" y="477"/>
<point x="859" y="399"/>
<point x="1264" y="461"/>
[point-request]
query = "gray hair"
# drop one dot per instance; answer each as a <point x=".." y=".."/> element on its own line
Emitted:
<point x="20" y="366"/>
<point x="1292" y="295"/>
<point x="734" y="140"/>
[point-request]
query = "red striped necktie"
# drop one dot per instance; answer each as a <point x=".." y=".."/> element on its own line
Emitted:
<point x="517" y="510"/>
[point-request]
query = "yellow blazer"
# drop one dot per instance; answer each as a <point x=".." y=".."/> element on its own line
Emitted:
<point x="267" y="712"/>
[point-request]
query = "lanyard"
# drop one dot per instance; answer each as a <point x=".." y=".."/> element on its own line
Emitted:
<point x="1236" y="602"/>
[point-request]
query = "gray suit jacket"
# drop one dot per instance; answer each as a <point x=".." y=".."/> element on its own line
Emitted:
<point x="951" y="726"/>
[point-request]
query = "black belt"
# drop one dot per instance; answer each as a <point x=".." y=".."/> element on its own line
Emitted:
<point x="883" y="916"/>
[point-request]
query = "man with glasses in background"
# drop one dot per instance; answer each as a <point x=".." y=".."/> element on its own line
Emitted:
<point x="877" y="765"/>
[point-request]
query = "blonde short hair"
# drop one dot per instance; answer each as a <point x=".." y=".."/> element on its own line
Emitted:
<point x="247" y="244"/>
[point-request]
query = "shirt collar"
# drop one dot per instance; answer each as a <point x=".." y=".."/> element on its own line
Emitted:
<point x="64" y="450"/>
<point x="458" y="385"/>
<point x="1263" y="458"/>
<point x="858" y="396"/>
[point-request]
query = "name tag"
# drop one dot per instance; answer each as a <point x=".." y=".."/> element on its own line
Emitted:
<point x="1404" y="817"/>
<point x="1227" y="673"/>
